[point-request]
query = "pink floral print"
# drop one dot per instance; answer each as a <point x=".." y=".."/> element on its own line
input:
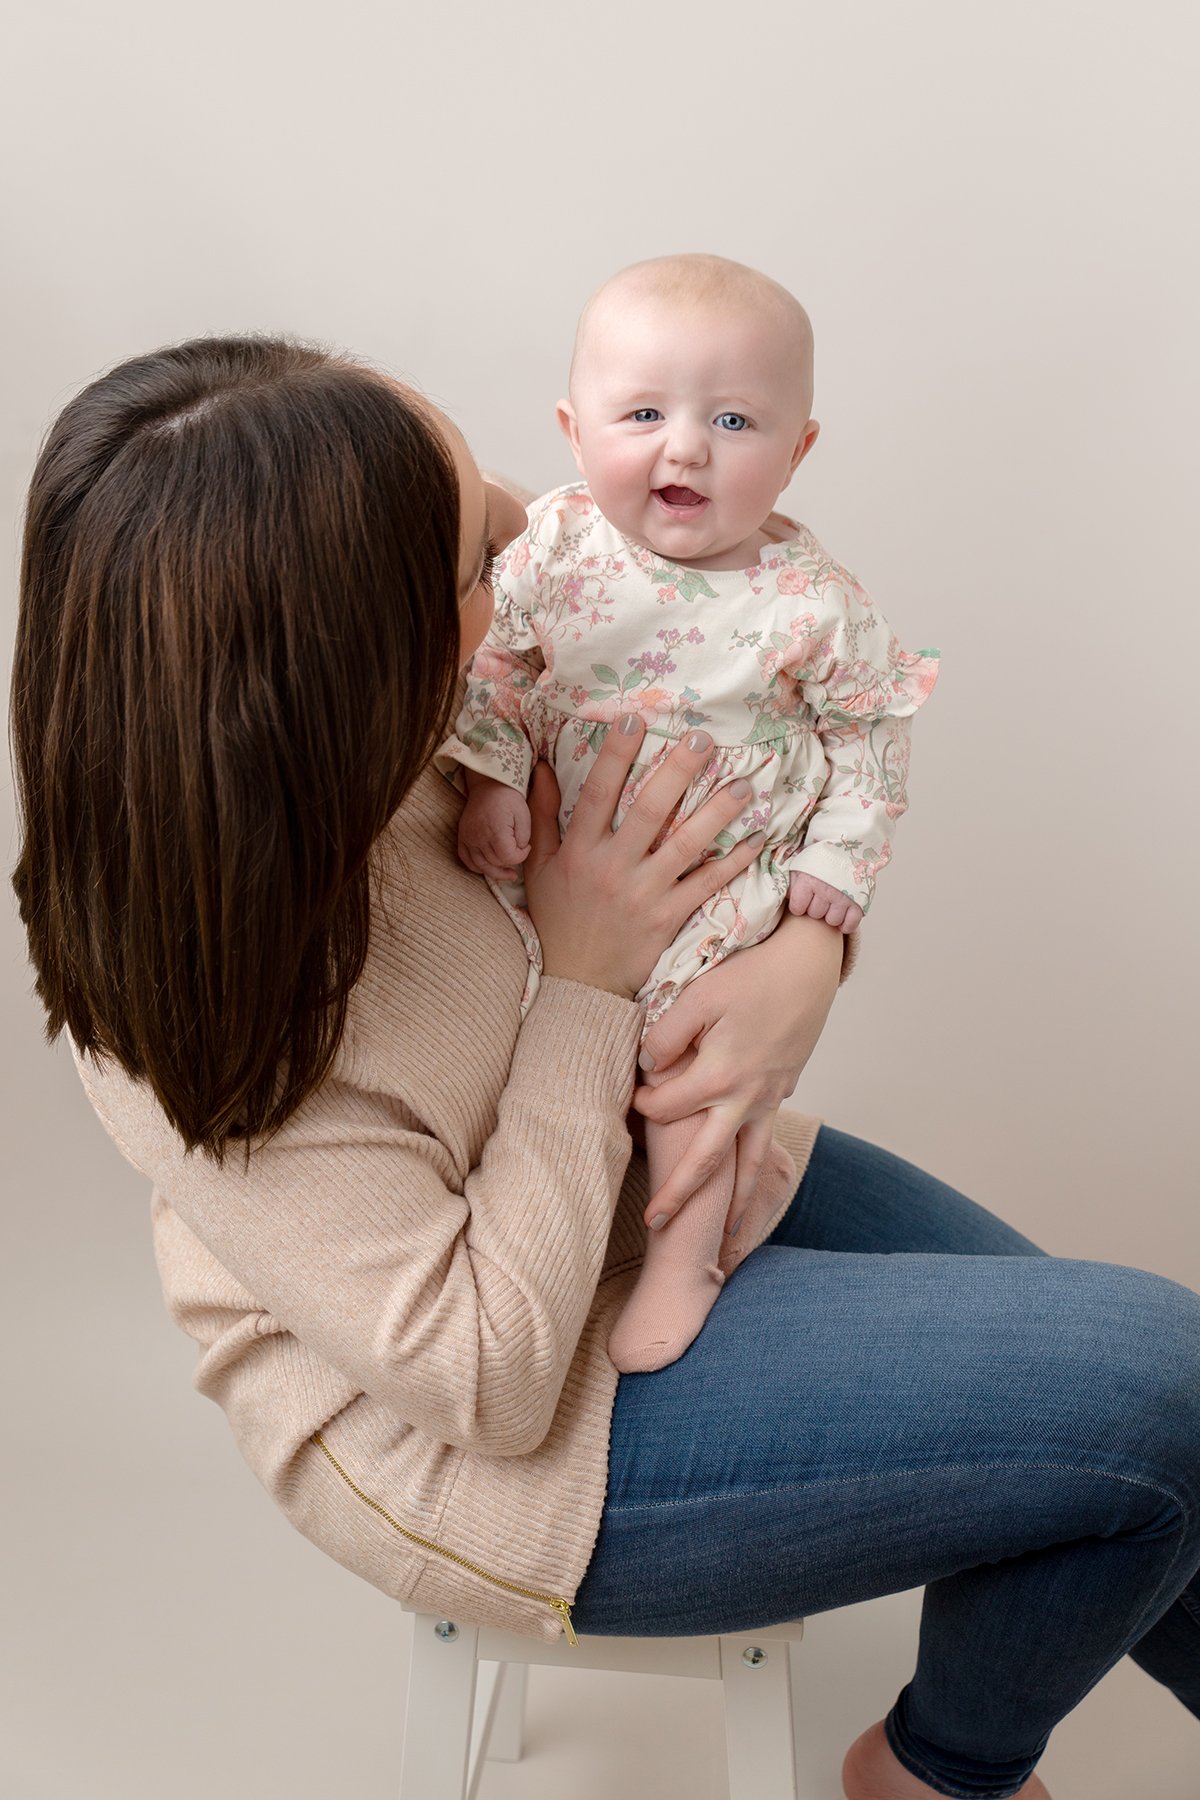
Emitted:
<point x="802" y="684"/>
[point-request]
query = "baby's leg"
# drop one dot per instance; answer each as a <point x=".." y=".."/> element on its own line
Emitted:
<point x="679" y="1279"/>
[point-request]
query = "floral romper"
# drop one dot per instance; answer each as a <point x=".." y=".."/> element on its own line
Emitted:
<point x="787" y="665"/>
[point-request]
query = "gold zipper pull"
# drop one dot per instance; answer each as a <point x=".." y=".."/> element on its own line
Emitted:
<point x="562" y="1608"/>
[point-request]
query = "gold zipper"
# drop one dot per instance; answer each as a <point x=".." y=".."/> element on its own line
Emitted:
<point x="561" y="1607"/>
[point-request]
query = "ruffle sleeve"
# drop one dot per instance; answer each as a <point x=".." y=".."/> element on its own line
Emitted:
<point x="847" y="662"/>
<point x="847" y="666"/>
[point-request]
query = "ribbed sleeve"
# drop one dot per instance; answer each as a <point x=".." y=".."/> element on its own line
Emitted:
<point x="456" y="1307"/>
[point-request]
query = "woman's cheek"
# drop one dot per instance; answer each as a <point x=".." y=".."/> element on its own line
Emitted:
<point x="474" y="619"/>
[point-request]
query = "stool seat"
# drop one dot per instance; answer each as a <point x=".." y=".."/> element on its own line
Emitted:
<point x="467" y="1687"/>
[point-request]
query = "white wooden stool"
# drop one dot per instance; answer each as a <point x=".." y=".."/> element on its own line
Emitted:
<point x="453" y="1723"/>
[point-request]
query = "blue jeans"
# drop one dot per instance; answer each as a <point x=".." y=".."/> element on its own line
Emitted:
<point x="898" y="1390"/>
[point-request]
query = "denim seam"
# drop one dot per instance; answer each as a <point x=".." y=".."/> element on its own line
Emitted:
<point x="890" y="1475"/>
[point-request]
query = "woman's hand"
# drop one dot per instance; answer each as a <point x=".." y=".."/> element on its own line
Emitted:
<point x="755" y="1020"/>
<point x="605" y="905"/>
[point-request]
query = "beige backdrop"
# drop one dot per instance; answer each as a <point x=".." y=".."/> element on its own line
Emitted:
<point x="989" y="212"/>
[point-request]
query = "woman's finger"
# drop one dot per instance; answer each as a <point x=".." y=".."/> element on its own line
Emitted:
<point x="596" y="802"/>
<point x="711" y="876"/>
<point x="692" y="836"/>
<point x="701" y="1159"/>
<point x="661" y="793"/>
<point x="544" y="839"/>
<point x="669" y="1037"/>
<point x="679" y="1096"/>
<point x="675" y="1092"/>
<point x="753" y="1143"/>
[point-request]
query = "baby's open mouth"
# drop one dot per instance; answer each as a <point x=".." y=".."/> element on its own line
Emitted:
<point x="680" y="499"/>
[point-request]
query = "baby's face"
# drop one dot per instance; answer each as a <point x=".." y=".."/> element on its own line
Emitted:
<point x="687" y="422"/>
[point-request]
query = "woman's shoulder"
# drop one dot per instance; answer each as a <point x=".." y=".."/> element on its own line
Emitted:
<point x="129" y="1113"/>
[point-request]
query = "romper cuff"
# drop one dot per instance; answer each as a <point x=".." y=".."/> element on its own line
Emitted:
<point x="835" y="864"/>
<point x="454" y="757"/>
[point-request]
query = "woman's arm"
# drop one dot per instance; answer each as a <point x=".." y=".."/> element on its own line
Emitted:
<point x="750" y="1050"/>
<point x="453" y="1299"/>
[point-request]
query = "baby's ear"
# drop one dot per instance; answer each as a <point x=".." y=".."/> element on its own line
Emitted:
<point x="804" y="443"/>
<point x="568" y="424"/>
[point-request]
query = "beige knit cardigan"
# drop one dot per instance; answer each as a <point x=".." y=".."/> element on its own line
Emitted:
<point x="402" y="1303"/>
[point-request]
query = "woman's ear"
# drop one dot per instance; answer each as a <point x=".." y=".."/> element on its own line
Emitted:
<point x="568" y="424"/>
<point x="804" y="444"/>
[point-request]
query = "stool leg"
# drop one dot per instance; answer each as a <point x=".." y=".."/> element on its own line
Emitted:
<point x="758" y="1718"/>
<point x="499" y="1717"/>
<point x="506" y="1740"/>
<point x="439" y="1710"/>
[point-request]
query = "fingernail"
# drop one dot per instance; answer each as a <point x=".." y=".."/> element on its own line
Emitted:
<point x="699" y="740"/>
<point x="740" y="790"/>
<point x="658" y="1223"/>
<point x="734" y="1229"/>
<point x="645" y="1060"/>
<point x="628" y="725"/>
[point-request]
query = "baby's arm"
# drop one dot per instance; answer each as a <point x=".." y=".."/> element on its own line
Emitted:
<point x="493" y="830"/>
<point x="863" y="793"/>
<point x="490" y="756"/>
<point x="849" y="836"/>
<point x="863" y="689"/>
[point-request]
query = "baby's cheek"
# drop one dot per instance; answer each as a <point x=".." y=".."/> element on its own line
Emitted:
<point x="618" y="475"/>
<point x="752" y="484"/>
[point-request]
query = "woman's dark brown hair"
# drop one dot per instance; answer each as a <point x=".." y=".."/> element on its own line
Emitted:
<point x="237" y="648"/>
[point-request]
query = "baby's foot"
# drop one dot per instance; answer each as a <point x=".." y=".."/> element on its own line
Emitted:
<point x="872" y="1772"/>
<point x="664" y="1313"/>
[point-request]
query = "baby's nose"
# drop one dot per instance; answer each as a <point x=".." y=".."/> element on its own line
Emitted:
<point x="686" y="443"/>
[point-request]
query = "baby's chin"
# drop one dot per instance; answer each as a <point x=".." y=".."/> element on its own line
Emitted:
<point x="719" y="555"/>
<point x="677" y="535"/>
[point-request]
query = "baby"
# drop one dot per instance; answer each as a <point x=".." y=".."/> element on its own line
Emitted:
<point x="664" y="584"/>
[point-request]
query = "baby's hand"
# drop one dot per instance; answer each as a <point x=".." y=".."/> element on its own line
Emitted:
<point x="493" y="832"/>
<point x="820" y="901"/>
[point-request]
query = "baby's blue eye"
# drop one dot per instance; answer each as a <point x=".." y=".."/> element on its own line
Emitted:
<point x="733" y="421"/>
<point x="646" y="415"/>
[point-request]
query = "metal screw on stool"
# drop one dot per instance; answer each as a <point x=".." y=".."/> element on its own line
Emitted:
<point x="754" y="1657"/>
<point x="446" y="1630"/>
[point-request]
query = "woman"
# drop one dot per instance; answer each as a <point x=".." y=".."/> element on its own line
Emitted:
<point x="399" y="1223"/>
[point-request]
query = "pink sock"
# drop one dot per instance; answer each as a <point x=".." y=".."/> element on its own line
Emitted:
<point x="679" y="1279"/>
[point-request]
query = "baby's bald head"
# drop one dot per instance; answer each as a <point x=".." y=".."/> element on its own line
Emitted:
<point x="696" y="283"/>
<point x="690" y="405"/>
